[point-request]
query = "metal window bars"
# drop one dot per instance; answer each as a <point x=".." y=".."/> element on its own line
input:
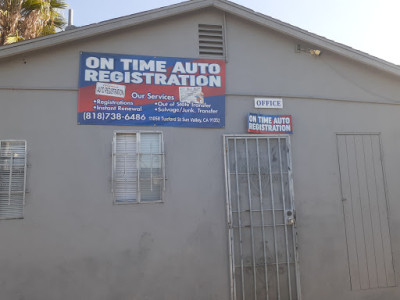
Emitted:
<point x="261" y="218"/>
<point x="12" y="178"/>
<point x="138" y="167"/>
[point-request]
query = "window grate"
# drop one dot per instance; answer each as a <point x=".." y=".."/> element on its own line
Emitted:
<point x="138" y="167"/>
<point x="261" y="220"/>
<point x="12" y="178"/>
<point x="211" y="40"/>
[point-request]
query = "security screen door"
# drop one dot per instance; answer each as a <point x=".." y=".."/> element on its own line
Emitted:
<point x="261" y="218"/>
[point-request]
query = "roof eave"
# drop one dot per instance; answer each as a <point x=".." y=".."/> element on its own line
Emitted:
<point x="189" y="6"/>
<point x="91" y="30"/>
<point x="308" y="37"/>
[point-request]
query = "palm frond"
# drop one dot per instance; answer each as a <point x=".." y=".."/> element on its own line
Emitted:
<point x="13" y="39"/>
<point x="30" y="18"/>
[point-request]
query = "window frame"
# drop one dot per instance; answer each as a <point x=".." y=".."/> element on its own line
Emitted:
<point x="138" y="153"/>
<point x="19" y="212"/>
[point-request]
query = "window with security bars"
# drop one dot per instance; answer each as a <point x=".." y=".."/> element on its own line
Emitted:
<point x="138" y="167"/>
<point x="12" y="178"/>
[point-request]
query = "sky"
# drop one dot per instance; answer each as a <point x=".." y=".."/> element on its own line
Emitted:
<point x="371" y="26"/>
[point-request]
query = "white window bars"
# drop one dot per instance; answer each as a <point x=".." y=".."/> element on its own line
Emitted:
<point x="138" y="174"/>
<point x="12" y="178"/>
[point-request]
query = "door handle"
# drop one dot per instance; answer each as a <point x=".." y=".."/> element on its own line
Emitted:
<point x="289" y="217"/>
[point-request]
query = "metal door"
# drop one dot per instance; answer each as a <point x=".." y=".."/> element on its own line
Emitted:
<point x="261" y="218"/>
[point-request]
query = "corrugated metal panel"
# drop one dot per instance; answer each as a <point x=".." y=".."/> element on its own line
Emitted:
<point x="211" y="40"/>
<point x="365" y="211"/>
<point x="12" y="178"/>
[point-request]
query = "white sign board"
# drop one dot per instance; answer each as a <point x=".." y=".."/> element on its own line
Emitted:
<point x="268" y="102"/>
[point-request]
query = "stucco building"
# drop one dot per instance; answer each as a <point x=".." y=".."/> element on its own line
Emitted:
<point x="197" y="151"/>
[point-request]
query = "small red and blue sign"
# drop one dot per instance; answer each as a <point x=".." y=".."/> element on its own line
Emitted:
<point x="116" y="89"/>
<point x="270" y="124"/>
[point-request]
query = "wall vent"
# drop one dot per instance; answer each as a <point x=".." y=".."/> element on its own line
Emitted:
<point x="211" y="40"/>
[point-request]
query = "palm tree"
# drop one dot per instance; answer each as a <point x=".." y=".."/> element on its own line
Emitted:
<point x="27" y="19"/>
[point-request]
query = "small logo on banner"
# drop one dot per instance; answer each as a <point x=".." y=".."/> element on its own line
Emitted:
<point x="109" y="89"/>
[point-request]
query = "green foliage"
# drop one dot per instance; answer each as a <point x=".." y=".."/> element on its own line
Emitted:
<point x="26" y="19"/>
